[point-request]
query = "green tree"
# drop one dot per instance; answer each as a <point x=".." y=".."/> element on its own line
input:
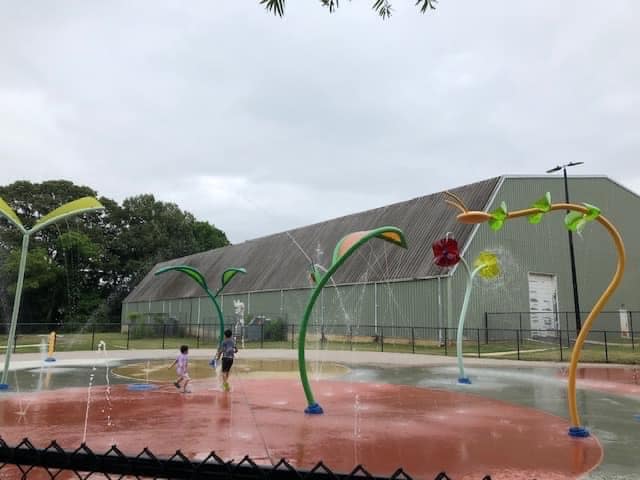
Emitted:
<point x="42" y="288"/>
<point x="156" y="231"/>
<point x="84" y="268"/>
<point x="381" y="7"/>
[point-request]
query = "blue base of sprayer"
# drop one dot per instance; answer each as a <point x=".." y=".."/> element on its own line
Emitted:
<point x="314" y="409"/>
<point x="49" y="359"/>
<point x="4" y="386"/>
<point x="464" y="381"/>
<point x="578" y="432"/>
<point x="141" y="387"/>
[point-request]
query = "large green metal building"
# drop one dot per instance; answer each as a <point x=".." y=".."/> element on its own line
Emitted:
<point x="386" y="288"/>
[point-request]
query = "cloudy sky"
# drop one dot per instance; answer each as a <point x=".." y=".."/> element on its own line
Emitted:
<point x="260" y="124"/>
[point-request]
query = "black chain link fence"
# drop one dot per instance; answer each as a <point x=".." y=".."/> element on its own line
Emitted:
<point x="24" y="459"/>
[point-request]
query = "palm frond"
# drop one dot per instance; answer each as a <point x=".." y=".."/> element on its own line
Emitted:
<point x="425" y="4"/>
<point x="274" y="6"/>
<point x="330" y="4"/>
<point x="383" y="8"/>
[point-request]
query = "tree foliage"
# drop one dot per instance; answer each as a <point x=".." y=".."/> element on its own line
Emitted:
<point x="381" y="7"/>
<point x="81" y="269"/>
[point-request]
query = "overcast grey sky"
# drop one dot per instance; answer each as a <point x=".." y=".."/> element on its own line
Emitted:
<point x="260" y="124"/>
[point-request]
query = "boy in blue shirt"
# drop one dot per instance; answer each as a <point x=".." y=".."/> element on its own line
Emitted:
<point x="227" y="351"/>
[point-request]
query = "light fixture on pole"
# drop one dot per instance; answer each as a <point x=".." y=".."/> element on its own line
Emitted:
<point x="576" y="301"/>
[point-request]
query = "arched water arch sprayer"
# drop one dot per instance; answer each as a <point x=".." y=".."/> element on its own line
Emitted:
<point x="345" y="247"/>
<point x="76" y="207"/>
<point x="197" y="277"/>
<point x="575" y="220"/>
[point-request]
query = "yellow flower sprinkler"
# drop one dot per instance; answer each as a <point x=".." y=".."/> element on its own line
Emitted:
<point x="446" y="254"/>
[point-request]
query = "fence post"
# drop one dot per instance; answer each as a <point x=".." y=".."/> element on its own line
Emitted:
<point x="560" y="342"/>
<point x="518" y="343"/>
<point x="293" y="335"/>
<point x="633" y="346"/>
<point x="606" y="349"/>
<point x="381" y="338"/>
<point x="164" y="330"/>
<point x="128" y="336"/>
<point x="93" y="335"/>
<point x="350" y="337"/>
<point x="520" y="320"/>
<point x="198" y="336"/>
<point x="262" y="335"/>
<point x="486" y="328"/>
<point x="478" y="330"/>
<point x="445" y="341"/>
<point x="413" y="340"/>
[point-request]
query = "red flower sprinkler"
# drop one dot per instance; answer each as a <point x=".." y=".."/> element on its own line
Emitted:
<point x="445" y="251"/>
<point x="446" y="254"/>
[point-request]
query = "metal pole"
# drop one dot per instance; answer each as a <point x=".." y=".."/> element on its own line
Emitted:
<point x="633" y="346"/>
<point x="16" y="308"/>
<point x="440" y="337"/>
<point x="445" y="341"/>
<point x="576" y="301"/>
<point x="520" y="320"/>
<point x="486" y="328"/>
<point x="375" y="308"/>
<point x="560" y="342"/>
<point x="606" y="349"/>
<point x="449" y="303"/>
<point x="413" y="341"/>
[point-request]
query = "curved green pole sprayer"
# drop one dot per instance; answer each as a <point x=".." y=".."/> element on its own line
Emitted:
<point x="578" y="217"/>
<point x="76" y="207"/>
<point x="345" y="247"/>
<point x="195" y="274"/>
<point x="463" y="313"/>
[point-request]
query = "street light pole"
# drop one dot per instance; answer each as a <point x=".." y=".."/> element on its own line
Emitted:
<point x="576" y="300"/>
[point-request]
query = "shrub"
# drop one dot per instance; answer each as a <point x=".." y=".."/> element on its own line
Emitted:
<point x="275" y="330"/>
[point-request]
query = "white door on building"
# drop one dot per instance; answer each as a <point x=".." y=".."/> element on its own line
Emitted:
<point x="543" y="304"/>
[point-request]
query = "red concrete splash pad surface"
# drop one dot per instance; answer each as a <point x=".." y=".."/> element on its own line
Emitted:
<point x="381" y="426"/>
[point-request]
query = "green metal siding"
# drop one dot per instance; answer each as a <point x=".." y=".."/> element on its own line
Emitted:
<point x="543" y="248"/>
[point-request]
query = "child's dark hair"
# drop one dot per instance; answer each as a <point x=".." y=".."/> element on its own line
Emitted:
<point x="184" y="348"/>
<point x="228" y="333"/>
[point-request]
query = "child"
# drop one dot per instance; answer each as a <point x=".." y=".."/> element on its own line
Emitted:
<point x="182" y="363"/>
<point x="227" y="350"/>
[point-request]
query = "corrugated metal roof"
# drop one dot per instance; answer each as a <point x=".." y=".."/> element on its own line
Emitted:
<point x="274" y="262"/>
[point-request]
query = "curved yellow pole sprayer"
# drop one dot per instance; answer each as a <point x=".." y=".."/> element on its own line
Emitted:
<point x="475" y="217"/>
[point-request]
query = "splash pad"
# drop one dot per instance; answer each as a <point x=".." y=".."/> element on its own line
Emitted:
<point x="381" y="426"/>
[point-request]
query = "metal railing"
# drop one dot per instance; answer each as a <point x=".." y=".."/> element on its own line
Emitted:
<point x="16" y="462"/>
<point x="565" y="320"/>
<point x="509" y="343"/>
